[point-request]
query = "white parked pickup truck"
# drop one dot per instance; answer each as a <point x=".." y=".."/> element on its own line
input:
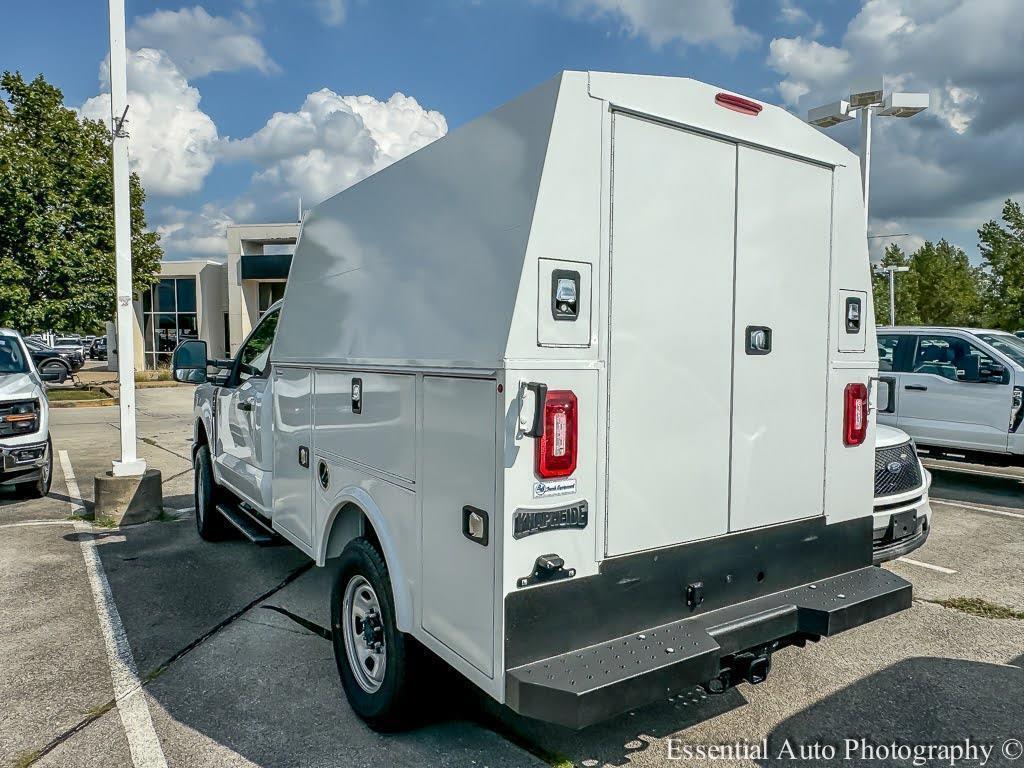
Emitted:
<point x="587" y="471"/>
<point x="26" y="456"/>
<point x="959" y="392"/>
<point x="903" y="515"/>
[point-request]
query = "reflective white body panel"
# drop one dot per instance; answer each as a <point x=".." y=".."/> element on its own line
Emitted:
<point x="431" y="282"/>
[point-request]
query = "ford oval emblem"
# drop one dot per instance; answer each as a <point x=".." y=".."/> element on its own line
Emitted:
<point x="894" y="467"/>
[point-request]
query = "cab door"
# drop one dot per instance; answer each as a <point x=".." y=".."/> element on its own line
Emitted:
<point x="244" y="417"/>
<point x="955" y="395"/>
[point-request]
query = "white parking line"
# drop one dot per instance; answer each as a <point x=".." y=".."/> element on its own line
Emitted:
<point x="31" y="523"/>
<point x="978" y="508"/>
<point x="966" y="471"/>
<point x="929" y="566"/>
<point x="131" y="701"/>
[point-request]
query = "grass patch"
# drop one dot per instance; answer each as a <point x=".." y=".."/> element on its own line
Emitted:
<point x="104" y="522"/>
<point x="100" y="710"/>
<point x="25" y="759"/>
<point x="978" y="607"/>
<point x="157" y="374"/>
<point x="63" y="395"/>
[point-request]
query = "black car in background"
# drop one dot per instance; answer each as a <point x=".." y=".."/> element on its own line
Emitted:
<point x="98" y="348"/>
<point x="49" y="359"/>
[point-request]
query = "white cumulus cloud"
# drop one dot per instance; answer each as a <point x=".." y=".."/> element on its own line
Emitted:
<point x="333" y="141"/>
<point x="697" y="22"/>
<point x="332" y="12"/>
<point x="967" y="151"/>
<point x="200" y="43"/>
<point x="172" y="141"/>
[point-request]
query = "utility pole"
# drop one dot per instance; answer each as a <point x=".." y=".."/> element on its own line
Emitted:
<point x="130" y="464"/>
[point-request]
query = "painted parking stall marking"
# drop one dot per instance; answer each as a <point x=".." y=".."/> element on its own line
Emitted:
<point x="929" y="566"/>
<point x="143" y="743"/>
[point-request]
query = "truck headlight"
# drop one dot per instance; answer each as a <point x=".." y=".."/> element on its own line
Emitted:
<point x="19" y="418"/>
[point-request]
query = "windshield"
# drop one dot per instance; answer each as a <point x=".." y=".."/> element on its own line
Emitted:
<point x="12" y="357"/>
<point x="1006" y="343"/>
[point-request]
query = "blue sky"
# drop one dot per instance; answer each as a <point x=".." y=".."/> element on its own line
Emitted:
<point x="243" y="105"/>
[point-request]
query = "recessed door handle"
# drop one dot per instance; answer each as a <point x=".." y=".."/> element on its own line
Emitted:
<point x="916" y="387"/>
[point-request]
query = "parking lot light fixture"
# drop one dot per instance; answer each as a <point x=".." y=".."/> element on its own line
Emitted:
<point x="892" y="270"/>
<point x="867" y="98"/>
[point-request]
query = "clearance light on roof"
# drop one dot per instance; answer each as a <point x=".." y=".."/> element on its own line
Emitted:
<point x="738" y="104"/>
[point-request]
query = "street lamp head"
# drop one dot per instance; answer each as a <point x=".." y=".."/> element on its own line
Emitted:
<point x="830" y="114"/>
<point x="866" y="92"/>
<point x="904" y="104"/>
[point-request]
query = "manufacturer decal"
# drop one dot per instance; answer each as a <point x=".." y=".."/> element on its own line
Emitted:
<point x="530" y="521"/>
<point x="542" y="489"/>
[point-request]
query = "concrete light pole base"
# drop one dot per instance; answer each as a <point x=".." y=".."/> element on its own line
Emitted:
<point x="126" y="500"/>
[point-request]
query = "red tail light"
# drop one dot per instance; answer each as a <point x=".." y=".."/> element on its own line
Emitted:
<point x="855" y="414"/>
<point x="555" y="450"/>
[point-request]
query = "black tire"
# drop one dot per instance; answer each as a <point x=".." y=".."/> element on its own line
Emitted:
<point x="392" y="707"/>
<point x="209" y="522"/>
<point x="38" y="488"/>
<point x="65" y="370"/>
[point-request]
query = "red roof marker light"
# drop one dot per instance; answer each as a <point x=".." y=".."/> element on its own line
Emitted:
<point x="738" y="104"/>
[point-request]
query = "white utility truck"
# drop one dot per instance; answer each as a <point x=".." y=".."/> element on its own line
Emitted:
<point x="579" y="396"/>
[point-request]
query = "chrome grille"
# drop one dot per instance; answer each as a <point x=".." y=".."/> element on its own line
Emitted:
<point x="907" y="477"/>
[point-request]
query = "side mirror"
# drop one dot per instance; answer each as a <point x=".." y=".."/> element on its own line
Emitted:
<point x="51" y="375"/>
<point x="885" y="389"/>
<point x="189" y="362"/>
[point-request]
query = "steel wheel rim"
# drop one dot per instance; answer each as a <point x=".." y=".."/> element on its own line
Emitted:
<point x="363" y="630"/>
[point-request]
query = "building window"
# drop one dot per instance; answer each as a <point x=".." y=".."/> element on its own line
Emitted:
<point x="168" y="317"/>
<point x="269" y="293"/>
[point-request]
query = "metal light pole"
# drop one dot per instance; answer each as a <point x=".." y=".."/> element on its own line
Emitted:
<point x="892" y="270"/>
<point x="867" y="99"/>
<point x="129" y="464"/>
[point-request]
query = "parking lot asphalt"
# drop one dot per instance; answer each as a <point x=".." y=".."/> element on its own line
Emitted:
<point x="228" y="679"/>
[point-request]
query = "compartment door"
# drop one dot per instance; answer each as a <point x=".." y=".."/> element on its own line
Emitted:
<point x="459" y="470"/>
<point x="293" y="451"/>
<point x="670" y="334"/>
<point x="783" y="254"/>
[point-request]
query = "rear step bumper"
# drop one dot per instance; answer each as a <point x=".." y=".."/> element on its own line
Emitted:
<point x="590" y="684"/>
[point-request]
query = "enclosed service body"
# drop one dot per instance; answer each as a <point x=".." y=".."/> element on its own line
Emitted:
<point x="593" y="370"/>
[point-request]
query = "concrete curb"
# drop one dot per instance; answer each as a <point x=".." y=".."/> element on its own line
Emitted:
<point x="97" y="403"/>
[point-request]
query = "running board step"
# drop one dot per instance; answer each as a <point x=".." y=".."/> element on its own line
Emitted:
<point x="254" y="529"/>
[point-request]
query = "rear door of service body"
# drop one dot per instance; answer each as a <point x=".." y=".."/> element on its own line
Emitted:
<point x="714" y="245"/>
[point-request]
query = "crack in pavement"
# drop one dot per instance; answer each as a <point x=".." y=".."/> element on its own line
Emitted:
<point x="96" y="714"/>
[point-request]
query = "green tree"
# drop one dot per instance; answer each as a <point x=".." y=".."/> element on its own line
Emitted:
<point x="1002" y="252"/>
<point x="953" y="295"/>
<point x="57" y="214"/>
<point x="906" y="289"/>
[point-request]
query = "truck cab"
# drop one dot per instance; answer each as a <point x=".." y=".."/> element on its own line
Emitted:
<point x="544" y="367"/>
<point x="957" y="391"/>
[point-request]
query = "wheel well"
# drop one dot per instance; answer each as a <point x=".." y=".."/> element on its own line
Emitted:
<point x="201" y="438"/>
<point x="350" y="523"/>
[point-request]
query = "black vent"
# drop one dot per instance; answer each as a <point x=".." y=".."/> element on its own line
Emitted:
<point x="890" y="479"/>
